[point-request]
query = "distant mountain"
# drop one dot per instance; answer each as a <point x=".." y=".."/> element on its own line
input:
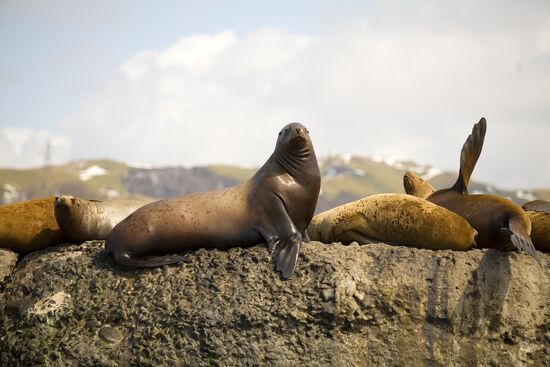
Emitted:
<point x="344" y="179"/>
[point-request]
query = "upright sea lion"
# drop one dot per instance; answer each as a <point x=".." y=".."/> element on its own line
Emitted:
<point x="275" y="205"/>
<point x="500" y="222"/>
<point x="85" y="220"/>
<point x="395" y="218"/>
<point x="29" y="225"/>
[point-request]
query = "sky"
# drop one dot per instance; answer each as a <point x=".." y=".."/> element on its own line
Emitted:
<point x="192" y="83"/>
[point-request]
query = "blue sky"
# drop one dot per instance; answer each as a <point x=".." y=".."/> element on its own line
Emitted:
<point x="212" y="81"/>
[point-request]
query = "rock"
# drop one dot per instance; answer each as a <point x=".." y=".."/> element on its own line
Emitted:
<point x="8" y="259"/>
<point x="344" y="306"/>
<point x="110" y="334"/>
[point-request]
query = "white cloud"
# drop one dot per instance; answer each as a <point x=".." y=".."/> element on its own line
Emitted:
<point x="412" y="88"/>
<point x="21" y="147"/>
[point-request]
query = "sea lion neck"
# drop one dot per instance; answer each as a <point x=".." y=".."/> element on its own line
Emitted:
<point x="297" y="162"/>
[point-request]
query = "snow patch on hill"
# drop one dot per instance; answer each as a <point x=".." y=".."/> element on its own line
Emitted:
<point x="91" y="172"/>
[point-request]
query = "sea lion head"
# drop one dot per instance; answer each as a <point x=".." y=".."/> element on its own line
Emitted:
<point x="294" y="137"/>
<point x="66" y="207"/>
<point x="64" y="202"/>
<point x="416" y="186"/>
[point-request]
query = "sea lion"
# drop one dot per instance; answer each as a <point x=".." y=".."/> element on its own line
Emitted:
<point x="538" y="212"/>
<point x="416" y="186"/>
<point x="85" y="220"/>
<point x="29" y="225"/>
<point x="499" y="221"/>
<point x="542" y="206"/>
<point x="275" y="205"/>
<point x="395" y="218"/>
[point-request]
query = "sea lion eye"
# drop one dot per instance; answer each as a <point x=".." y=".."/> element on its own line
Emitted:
<point x="307" y="131"/>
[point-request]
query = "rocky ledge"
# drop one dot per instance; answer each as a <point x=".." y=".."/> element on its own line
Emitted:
<point x="344" y="306"/>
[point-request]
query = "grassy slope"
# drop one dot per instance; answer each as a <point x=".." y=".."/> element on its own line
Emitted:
<point x="370" y="177"/>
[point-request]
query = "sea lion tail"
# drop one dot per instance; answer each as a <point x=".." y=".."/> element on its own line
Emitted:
<point x="520" y="238"/>
<point x="471" y="151"/>
<point x="124" y="259"/>
<point x="285" y="254"/>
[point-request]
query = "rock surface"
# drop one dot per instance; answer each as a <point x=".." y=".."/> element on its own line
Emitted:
<point x="8" y="259"/>
<point x="344" y="306"/>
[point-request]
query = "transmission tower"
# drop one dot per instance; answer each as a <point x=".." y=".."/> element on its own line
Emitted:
<point x="48" y="153"/>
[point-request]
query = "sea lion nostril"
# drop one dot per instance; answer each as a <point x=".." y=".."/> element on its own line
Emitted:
<point x="298" y="130"/>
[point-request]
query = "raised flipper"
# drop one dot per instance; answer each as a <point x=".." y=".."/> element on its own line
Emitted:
<point x="285" y="254"/>
<point x="537" y="206"/>
<point x="520" y="238"/>
<point x="469" y="155"/>
<point x="124" y="259"/>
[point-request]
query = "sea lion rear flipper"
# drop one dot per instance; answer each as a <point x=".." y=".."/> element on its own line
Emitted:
<point x="520" y="239"/>
<point x="537" y="206"/>
<point x="285" y="254"/>
<point x="125" y="260"/>
<point x="469" y="155"/>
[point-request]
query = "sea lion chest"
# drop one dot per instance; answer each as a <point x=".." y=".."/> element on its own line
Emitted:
<point x="298" y="196"/>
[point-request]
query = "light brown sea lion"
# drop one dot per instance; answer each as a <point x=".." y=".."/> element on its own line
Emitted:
<point x="416" y="186"/>
<point x="85" y="220"/>
<point x="394" y="218"/>
<point x="275" y="205"/>
<point x="539" y="214"/>
<point x="500" y="222"/>
<point x="29" y="225"/>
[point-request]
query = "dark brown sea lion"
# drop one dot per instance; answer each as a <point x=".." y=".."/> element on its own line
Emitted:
<point x="275" y="205"/>
<point x="538" y="211"/>
<point x="500" y="222"/>
<point x="394" y="218"/>
<point x="542" y="206"/>
<point x="29" y="225"/>
<point x="85" y="220"/>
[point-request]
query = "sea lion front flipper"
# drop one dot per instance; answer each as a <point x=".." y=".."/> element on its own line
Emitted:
<point x="520" y="239"/>
<point x="469" y="155"/>
<point x="285" y="254"/>
<point x="282" y="237"/>
<point x="537" y="206"/>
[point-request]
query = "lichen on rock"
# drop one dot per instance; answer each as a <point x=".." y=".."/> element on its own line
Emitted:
<point x="345" y="305"/>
